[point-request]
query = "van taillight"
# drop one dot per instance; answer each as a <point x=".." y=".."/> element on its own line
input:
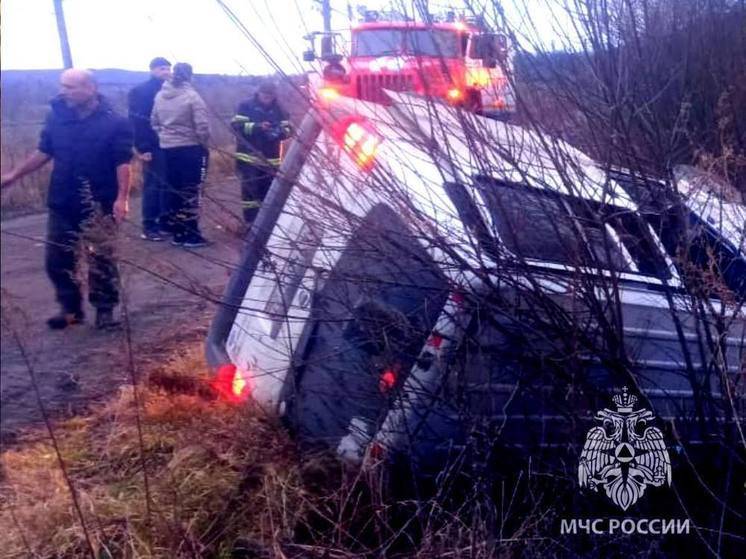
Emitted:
<point x="358" y="138"/>
<point x="387" y="380"/>
<point x="231" y="384"/>
<point x="435" y="340"/>
<point x="376" y="451"/>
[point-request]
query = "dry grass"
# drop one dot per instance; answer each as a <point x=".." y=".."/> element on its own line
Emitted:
<point x="215" y="471"/>
<point x="218" y="475"/>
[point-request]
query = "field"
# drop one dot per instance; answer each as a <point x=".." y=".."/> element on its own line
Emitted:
<point x="25" y="103"/>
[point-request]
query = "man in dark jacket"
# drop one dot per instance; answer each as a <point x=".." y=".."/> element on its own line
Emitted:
<point x="260" y="125"/>
<point x="91" y="147"/>
<point x="154" y="195"/>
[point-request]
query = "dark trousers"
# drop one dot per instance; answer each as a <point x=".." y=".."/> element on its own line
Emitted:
<point x="255" y="183"/>
<point x="69" y="236"/>
<point x="154" y="191"/>
<point x="186" y="169"/>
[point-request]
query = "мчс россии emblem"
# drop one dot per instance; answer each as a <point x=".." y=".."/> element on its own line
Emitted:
<point x="623" y="455"/>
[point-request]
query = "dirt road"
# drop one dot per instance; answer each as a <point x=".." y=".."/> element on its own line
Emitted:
<point x="169" y="293"/>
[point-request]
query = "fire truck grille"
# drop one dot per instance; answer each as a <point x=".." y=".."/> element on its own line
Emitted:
<point x="370" y="87"/>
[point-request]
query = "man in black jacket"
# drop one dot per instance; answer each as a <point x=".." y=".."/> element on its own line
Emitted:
<point x="260" y="125"/>
<point x="154" y="191"/>
<point x="91" y="147"/>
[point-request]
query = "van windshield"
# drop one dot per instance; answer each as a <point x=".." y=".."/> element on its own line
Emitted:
<point x="398" y="42"/>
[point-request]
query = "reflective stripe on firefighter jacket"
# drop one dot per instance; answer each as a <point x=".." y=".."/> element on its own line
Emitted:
<point x="245" y="125"/>
<point x="257" y="160"/>
<point x="256" y="144"/>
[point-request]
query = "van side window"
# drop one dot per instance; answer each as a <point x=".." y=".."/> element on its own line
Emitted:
<point x="636" y="238"/>
<point x="629" y="229"/>
<point x="595" y="229"/>
<point x="694" y="245"/>
<point x="530" y="224"/>
<point x="538" y="225"/>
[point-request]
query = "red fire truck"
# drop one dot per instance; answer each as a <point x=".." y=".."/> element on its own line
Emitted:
<point x="455" y="61"/>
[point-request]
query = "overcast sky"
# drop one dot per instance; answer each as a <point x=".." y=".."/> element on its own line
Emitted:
<point x="128" y="33"/>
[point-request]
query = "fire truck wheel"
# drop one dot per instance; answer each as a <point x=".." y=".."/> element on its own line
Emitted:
<point x="473" y="101"/>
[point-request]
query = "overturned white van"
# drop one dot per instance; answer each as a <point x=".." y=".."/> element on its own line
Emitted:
<point x="417" y="275"/>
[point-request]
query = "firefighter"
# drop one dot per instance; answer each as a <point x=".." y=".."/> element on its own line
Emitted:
<point x="260" y="125"/>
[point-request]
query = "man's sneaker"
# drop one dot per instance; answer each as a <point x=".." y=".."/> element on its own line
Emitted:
<point x="151" y="236"/>
<point x="178" y="240"/>
<point x="105" y="319"/>
<point x="195" y="242"/>
<point x="64" y="319"/>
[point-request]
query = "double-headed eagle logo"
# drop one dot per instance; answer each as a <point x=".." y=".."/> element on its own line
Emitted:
<point x="623" y="455"/>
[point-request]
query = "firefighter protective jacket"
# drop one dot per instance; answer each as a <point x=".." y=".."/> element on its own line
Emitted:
<point x="254" y="144"/>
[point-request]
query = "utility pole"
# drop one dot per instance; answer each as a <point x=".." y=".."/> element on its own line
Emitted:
<point x="67" y="57"/>
<point x="326" y="12"/>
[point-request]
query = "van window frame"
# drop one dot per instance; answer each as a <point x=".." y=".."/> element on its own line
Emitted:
<point x="480" y="207"/>
<point x="700" y="231"/>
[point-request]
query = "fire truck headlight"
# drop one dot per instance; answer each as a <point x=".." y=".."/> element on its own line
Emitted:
<point x="328" y="94"/>
<point x="478" y="77"/>
<point x="455" y="94"/>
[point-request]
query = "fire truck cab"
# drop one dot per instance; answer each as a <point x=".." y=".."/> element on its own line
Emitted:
<point x="454" y="61"/>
